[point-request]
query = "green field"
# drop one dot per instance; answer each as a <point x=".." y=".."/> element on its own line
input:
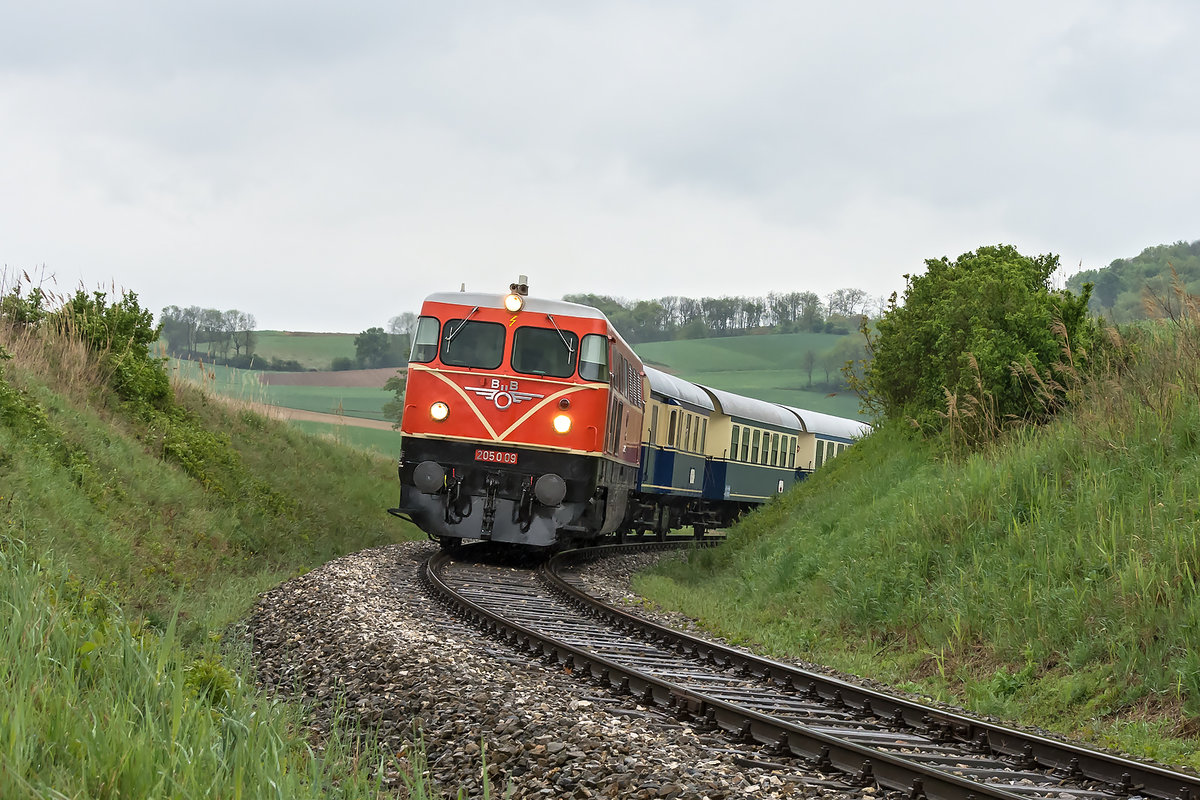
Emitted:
<point x="768" y="367"/>
<point x="312" y="350"/>
<point x="242" y="384"/>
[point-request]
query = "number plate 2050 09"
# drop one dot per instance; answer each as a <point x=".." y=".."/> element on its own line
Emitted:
<point x="495" y="456"/>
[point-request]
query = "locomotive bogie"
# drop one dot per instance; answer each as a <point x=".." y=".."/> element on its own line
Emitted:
<point x="458" y="490"/>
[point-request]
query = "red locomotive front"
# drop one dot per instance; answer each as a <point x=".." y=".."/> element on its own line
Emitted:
<point x="522" y="419"/>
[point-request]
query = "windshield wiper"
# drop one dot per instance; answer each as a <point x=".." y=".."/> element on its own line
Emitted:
<point x="570" y="350"/>
<point x="461" y="325"/>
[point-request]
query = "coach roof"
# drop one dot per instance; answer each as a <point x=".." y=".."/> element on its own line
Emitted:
<point x="537" y="305"/>
<point x="735" y="405"/>
<point x="678" y="389"/>
<point x="829" y="426"/>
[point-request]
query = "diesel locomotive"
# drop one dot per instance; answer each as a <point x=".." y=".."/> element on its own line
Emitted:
<point x="531" y="421"/>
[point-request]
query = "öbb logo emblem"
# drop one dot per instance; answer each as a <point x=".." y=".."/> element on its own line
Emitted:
<point x="502" y="394"/>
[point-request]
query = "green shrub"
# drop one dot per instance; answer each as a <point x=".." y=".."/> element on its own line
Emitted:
<point x="121" y="335"/>
<point x="970" y="336"/>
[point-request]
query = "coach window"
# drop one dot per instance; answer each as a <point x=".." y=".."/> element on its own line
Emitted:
<point x="820" y="454"/>
<point x="733" y="442"/>
<point x="754" y="447"/>
<point x="653" y="425"/>
<point x="425" y="341"/>
<point x="745" y="444"/>
<point x="704" y="435"/>
<point x="671" y="428"/>
<point x="544" y="351"/>
<point x="791" y="452"/>
<point x="468" y="343"/>
<point x="687" y="431"/>
<point x="774" y="449"/>
<point x="593" y="358"/>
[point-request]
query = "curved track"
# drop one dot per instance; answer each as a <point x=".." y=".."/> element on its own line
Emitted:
<point x="831" y="725"/>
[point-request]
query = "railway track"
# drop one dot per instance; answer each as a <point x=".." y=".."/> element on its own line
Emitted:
<point x="825" y="724"/>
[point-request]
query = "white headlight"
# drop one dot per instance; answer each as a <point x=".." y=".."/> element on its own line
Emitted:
<point x="514" y="302"/>
<point x="562" y="423"/>
<point x="439" y="411"/>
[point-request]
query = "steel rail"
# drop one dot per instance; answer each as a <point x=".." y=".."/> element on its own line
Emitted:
<point x="863" y="764"/>
<point x="1033" y="751"/>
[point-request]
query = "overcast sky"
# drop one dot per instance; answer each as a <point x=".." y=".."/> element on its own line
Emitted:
<point x="325" y="166"/>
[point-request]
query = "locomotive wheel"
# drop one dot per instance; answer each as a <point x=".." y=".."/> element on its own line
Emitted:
<point x="449" y="543"/>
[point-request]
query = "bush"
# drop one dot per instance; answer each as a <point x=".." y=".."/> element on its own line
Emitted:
<point x="121" y="335"/>
<point x="969" y="337"/>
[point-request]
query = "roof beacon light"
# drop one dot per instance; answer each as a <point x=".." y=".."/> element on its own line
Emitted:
<point x="515" y="301"/>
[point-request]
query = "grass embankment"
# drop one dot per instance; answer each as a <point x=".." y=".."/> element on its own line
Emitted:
<point x="1050" y="580"/>
<point x="131" y="536"/>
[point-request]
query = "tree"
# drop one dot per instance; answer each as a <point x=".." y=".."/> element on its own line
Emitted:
<point x="808" y="311"/>
<point x="239" y="327"/>
<point x="394" y="409"/>
<point x="962" y="327"/>
<point x="846" y="303"/>
<point x="181" y="326"/>
<point x="371" y="347"/>
<point x="403" y="324"/>
<point x="809" y="361"/>
<point x="211" y="330"/>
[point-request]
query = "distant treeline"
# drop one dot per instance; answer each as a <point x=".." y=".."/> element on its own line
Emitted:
<point x="222" y="338"/>
<point x="1142" y="287"/>
<point x="690" y="318"/>
<point x="187" y="330"/>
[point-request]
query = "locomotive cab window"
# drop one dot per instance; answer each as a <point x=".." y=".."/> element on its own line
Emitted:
<point x="593" y="358"/>
<point x="468" y="343"/>
<point x="544" y="351"/>
<point x="425" y="342"/>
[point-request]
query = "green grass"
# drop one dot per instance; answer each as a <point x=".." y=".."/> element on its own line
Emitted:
<point x="95" y="706"/>
<point x="385" y="443"/>
<point x="767" y="367"/>
<point x="1051" y="579"/>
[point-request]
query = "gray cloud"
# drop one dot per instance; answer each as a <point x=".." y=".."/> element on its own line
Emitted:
<point x="324" y="167"/>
